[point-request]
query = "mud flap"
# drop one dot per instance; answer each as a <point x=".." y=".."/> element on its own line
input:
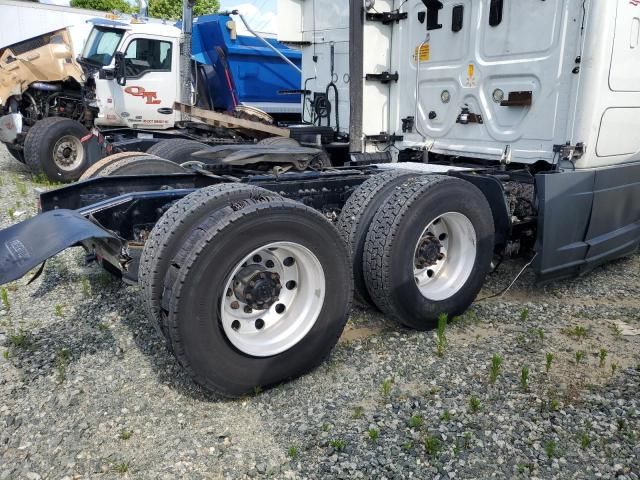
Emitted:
<point x="26" y="245"/>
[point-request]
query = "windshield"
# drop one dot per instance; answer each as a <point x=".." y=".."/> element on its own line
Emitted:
<point x="102" y="45"/>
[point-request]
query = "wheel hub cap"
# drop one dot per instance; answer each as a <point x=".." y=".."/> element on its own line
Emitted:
<point x="429" y="252"/>
<point x="257" y="288"/>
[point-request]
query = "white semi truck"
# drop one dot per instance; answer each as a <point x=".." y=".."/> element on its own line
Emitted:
<point x="475" y="130"/>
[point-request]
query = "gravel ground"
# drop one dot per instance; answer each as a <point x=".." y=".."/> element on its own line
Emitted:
<point x="88" y="390"/>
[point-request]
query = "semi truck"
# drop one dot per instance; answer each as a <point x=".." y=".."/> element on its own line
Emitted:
<point x="60" y="114"/>
<point x="475" y="131"/>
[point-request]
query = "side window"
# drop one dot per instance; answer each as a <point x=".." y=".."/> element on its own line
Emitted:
<point x="147" y="55"/>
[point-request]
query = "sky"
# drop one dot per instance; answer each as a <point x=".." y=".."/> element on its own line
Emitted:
<point x="260" y="14"/>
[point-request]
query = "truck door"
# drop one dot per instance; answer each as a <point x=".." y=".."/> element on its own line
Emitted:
<point x="479" y="76"/>
<point x="146" y="100"/>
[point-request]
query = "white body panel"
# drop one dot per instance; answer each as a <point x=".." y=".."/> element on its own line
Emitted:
<point x="30" y="19"/>
<point x="580" y="59"/>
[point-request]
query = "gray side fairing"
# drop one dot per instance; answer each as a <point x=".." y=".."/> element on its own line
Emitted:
<point x="586" y="217"/>
<point x="26" y="245"/>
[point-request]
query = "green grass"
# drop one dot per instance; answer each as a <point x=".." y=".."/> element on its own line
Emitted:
<point x="578" y="332"/>
<point x="446" y="416"/>
<point x="59" y="311"/>
<point x="125" y="434"/>
<point x="21" y="187"/>
<point x="585" y="440"/>
<point x="62" y="359"/>
<point x="374" y="434"/>
<point x="524" y="314"/>
<point x="42" y="180"/>
<point x="441" y="335"/>
<point x="432" y="445"/>
<point x="386" y="387"/>
<point x="579" y="357"/>
<point x="103" y="327"/>
<point x="496" y="365"/>
<point x="524" y="378"/>
<point x="550" y="448"/>
<point x="602" y="356"/>
<point x="358" y="413"/>
<point x="292" y="452"/>
<point x="338" y="444"/>
<point x="21" y="340"/>
<point x="474" y="404"/>
<point x="11" y="212"/>
<point x="121" y="467"/>
<point x="549" y="361"/>
<point x="86" y="287"/>
<point x="4" y="296"/>
<point x="614" y="367"/>
<point x="416" y="421"/>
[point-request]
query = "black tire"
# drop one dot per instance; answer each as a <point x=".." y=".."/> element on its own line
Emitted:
<point x="355" y="219"/>
<point x="195" y="284"/>
<point x="280" y="141"/>
<point x="40" y="143"/>
<point x="95" y="170"/>
<point x="394" y="232"/>
<point x="177" y="150"/>
<point x="141" y="165"/>
<point x="167" y="237"/>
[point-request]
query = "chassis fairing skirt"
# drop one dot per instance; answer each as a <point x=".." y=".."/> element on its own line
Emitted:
<point x="26" y="245"/>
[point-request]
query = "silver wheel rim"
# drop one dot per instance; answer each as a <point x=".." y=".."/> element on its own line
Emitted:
<point x="68" y="153"/>
<point x="292" y="279"/>
<point x="444" y="256"/>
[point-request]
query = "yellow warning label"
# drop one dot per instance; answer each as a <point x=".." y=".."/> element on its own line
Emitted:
<point x="423" y="52"/>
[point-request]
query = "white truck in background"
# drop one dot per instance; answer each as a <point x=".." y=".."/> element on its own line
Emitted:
<point x="31" y="19"/>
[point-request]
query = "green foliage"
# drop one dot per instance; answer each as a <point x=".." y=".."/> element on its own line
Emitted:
<point x="446" y="416"/>
<point x="4" y="295"/>
<point x="62" y="358"/>
<point x="524" y="314"/>
<point x="549" y="362"/>
<point x="550" y="448"/>
<point x="474" y="404"/>
<point x="386" y="387"/>
<point x="603" y="356"/>
<point x="496" y="365"/>
<point x="172" y="9"/>
<point x="579" y="356"/>
<point x="105" y="5"/>
<point x="373" y="433"/>
<point x="416" y="421"/>
<point x="125" y="434"/>
<point x="432" y="445"/>
<point x="293" y="452"/>
<point x="20" y="340"/>
<point x="524" y="378"/>
<point x="338" y="444"/>
<point x="358" y="412"/>
<point x="585" y="440"/>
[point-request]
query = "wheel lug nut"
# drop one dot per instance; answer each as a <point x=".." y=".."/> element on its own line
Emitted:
<point x="248" y="309"/>
<point x="235" y="305"/>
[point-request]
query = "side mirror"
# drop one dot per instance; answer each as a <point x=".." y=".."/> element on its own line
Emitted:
<point x="120" y="69"/>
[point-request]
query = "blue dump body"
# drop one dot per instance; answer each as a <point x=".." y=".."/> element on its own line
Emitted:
<point x="244" y="70"/>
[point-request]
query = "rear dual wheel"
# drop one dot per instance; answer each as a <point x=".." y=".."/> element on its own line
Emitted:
<point x="247" y="304"/>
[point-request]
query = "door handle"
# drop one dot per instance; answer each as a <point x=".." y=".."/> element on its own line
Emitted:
<point x="165" y="111"/>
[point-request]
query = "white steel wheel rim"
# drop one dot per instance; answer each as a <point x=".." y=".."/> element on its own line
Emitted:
<point x="444" y="256"/>
<point x="286" y="321"/>
<point x="68" y="153"/>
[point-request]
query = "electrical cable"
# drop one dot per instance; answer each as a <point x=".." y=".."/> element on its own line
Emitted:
<point x="504" y="291"/>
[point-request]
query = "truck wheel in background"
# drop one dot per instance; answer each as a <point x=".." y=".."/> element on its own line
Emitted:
<point x="428" y="250"/>
<point x="54" y="146"/>
<point x="250" y="305"/>
<point x="167" y="237"/>
<point x="95" y="169"/>
<point x="280" y="141"/>
<point x="355" y="219"/>
<point x="141" y="165"/>
<point x="177" y="150"/>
